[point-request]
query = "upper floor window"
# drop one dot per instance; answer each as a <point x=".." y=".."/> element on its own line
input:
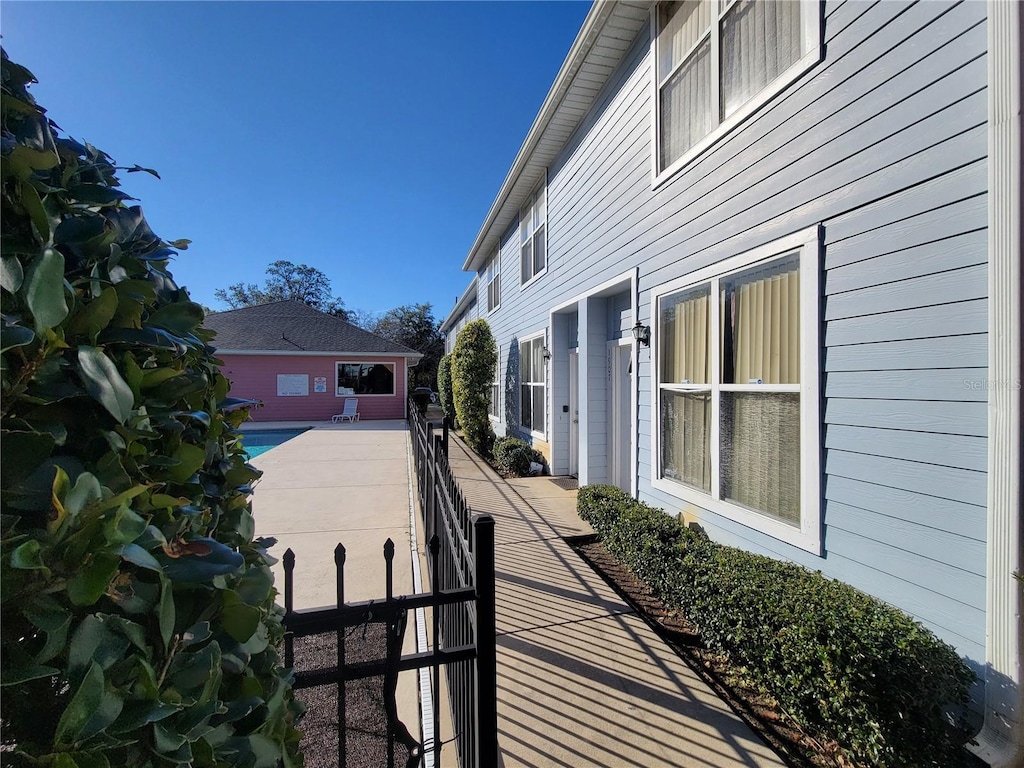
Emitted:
<point x="736" y="389"/>
<point x="719" y="60"/>
<point x="494" y="283"/>
<point x="533" y="245"/>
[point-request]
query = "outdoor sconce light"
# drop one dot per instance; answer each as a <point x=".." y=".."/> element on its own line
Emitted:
<point x="642" y="333"/>
<point x="546" y="353"/>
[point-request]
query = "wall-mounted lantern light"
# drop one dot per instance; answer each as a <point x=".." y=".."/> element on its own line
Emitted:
<point x="546" y="353"/>
<point x="642" y="333"/>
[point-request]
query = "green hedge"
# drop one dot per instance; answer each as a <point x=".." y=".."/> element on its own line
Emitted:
<point x="444" y="387"/>
<point x="472" y="372"/>
<point x="513" y="456"/>
<point x="845" y="664"/>
<point x="138" y="608"/>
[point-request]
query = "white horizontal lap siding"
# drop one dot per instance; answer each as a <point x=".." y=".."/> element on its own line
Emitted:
<point x="884" y="143"/>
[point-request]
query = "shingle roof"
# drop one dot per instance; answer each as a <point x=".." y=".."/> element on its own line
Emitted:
<point x="291" y="326"/>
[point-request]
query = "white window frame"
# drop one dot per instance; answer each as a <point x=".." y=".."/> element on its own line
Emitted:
<point x="806" y="244"/>
<point x="810" y="44"/>
<point x="495" y="399"/>
<point x="390" y="364"/>
<point x="528" y="229"/>
<point x="543" y="382"/>
<point x="493" y="277"/>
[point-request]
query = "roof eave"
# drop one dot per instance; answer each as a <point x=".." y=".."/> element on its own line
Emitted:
<point x="589" y="34"/>
<point x="460" y="305"/>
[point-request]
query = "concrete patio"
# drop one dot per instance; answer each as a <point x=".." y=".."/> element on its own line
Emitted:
<point x="582" y="680"/>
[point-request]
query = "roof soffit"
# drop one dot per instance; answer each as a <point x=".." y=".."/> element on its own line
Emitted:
<point x="607" y="33"/>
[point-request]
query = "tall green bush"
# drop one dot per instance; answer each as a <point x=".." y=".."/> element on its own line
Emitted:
<point x="138" y="610"/>
<point x="444" y="387"/>
<point x="473" y="361"/>
<point x="845" y="664"/>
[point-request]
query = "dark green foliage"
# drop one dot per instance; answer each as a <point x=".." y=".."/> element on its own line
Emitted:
<point x="444" y="387"/>
<point x="472" y="370"/>
<point x="843" y="663"/>
<point x="422" y="400"/>
<point x="138" y="614"/>
<point x="513" y="456"/>
<point x="414" y="326"/>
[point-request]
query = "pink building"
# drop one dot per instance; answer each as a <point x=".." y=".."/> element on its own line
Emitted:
<point x="302" y="364"/>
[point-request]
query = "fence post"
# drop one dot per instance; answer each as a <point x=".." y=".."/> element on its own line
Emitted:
<point x="444" y="434"/>
<point x="486" y="643"/>
<point x="289" y="596"/>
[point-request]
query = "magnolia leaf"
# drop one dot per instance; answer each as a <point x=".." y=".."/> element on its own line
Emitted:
<point x="152" y="377"/>
<point x="136" y="555"/>
<point x="138" y="168"/>
<point x="181" y="244"/>
<point x="13" y="674"/>
<point x="43" y="289"/>
<point x="179" y="318"/>
<point x="166" y="615"/>
<point x="93" y="317"/>
<point x="15" y="336"/>
<point x="190" y="459"/>
<point x="125" y="526"/>
<point x="240" y="620"/>
<point x="205" y="559"/>
<point x="23" y="452"/>
<point x="90" y="581"/>
<point x="11" y="273"/>
<point x="84" y="703"/>
<point x="98" y="194"/>
<point x="28" y="557"/>
<point x="34" y="207"/>
<point x="104" y="383"/>
<point x="56" y="641"/>
<point x="197" y="633"/>
<point x="87" y="490"/>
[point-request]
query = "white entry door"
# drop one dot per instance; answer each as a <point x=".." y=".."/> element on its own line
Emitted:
<point x="620" y="398"/>
<point x="574" y="413"/>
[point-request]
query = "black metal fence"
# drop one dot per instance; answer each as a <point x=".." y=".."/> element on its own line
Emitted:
<point x="461" y="605"/>
<point x="464" y="560"/>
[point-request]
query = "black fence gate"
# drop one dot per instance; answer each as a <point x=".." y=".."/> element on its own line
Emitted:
<point x="362" y="675"/>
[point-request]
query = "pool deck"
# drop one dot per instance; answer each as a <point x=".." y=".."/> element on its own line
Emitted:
<point x="347" y="484"/>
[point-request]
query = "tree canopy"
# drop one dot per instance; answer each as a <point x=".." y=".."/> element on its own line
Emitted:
<point x="285" y="281"/>
<point x="414" y="326"/>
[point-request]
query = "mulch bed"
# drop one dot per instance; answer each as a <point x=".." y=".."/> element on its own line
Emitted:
<point x="365" y="714"/>
<point x="757" y="709"/>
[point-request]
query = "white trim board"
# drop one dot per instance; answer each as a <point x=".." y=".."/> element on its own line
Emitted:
<point x="1001" y="737"/>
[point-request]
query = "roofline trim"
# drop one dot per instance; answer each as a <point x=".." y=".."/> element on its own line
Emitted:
<point x="585" y="40"/>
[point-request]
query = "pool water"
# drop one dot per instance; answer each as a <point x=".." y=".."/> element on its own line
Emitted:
<point x="258" y="442"/>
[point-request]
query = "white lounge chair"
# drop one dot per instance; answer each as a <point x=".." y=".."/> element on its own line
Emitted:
<point x="348" y="412"/>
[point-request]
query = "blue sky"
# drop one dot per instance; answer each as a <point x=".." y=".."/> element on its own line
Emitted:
<point x="367" y="139"/>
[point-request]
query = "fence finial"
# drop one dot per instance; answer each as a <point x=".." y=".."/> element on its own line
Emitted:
<point x="339" y="554"/>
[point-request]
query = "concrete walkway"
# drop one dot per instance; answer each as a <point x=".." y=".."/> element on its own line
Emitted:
<point x="582" y="680"/>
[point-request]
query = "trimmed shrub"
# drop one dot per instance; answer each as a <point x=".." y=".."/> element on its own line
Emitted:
<point x="138" y="611"/>
<point x="472" y="369"/>
<point x="513" y="456"/>
<point x="845" y="664"/>
<point x="444" y="387"/>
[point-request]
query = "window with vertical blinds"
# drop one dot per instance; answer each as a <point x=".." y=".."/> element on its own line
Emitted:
<point x="717" y="60"/>
<point x="736" y="388"/>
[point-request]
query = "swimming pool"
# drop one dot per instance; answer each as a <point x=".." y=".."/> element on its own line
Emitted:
<point x="259" y="441"/>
